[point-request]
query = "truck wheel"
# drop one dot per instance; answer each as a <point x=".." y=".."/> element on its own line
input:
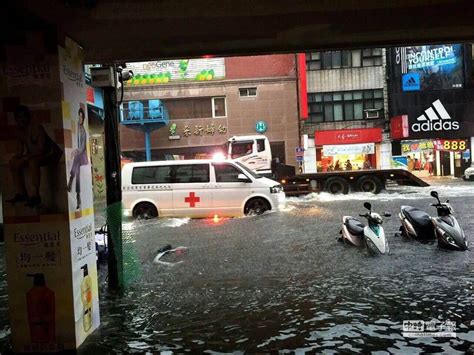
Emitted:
<point x="145" y="210"/>
<point x="336" y="185"/>
<point x="256" y="206"/>
<point x="369" y="184"/>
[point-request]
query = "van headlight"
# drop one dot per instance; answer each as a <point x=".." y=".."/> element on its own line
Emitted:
<point x="276" y="189"/>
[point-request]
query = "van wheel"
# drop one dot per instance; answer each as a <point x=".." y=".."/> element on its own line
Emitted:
<point x="256" y="206"/>
<point x="369" y="184"/>
<point x="145" y="210"/>
<point x="336" y="185"/>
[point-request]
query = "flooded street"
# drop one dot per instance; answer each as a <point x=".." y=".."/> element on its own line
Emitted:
<point x="282" y="281"/>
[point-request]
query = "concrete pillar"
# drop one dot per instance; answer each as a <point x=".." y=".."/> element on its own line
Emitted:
<point x="309" y="163"/>
<point x="451" y="163"/>
<point x="438" y="163"/>
<point x="472" y="151"/>
<point x="47" y="196"/>
<point x="385" y="155"/>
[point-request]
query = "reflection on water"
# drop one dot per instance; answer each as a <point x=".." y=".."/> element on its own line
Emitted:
<point x="281" y="281"/>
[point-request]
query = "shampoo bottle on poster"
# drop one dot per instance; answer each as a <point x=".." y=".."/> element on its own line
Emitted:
<point x="41" y="311"/>
<point x="86" y="295"/>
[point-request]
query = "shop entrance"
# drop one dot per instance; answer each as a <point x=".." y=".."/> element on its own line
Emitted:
<point x="445" y="163"/>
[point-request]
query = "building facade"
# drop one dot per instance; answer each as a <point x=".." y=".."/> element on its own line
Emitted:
<point x="431" y="105"/>
<point x="209" y="100"/>
<point x="347" y="110"/>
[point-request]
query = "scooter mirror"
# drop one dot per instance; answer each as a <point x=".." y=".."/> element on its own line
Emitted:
<point x="367" y="205"/>
<point x="387" y="214"/>
<point x="434" y="194"/>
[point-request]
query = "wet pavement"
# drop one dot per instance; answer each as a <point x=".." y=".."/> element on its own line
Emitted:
<point x="281" y="281"/>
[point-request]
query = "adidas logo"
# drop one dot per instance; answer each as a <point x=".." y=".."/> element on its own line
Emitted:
<point x="435" y="118"/>
<point x="411" y="82"/>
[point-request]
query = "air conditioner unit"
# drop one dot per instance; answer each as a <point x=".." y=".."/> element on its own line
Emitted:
<point x="372" y="113"/>
<point x="102" y="77"/>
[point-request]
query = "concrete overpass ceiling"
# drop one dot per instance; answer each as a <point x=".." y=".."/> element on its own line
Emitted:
<point x="134" y="30"/>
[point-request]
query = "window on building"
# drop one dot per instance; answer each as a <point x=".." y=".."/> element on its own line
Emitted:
<point x="218" y="107"/>
<point x="226" y="173"/>
<point x="344" y="59"/>
<point x="345" y="106"/>
<point x="248" y="92"/>
<point x="371" y="57"/>
<point x="199" y="107"/>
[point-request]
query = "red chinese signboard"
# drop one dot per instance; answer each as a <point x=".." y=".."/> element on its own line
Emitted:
<point x="399" y="127"/>
<point x="90" y="95"/>
<point x="451" y="145"/>
<point x="348" y="136"/>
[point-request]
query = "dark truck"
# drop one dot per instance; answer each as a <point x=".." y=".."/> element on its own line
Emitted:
<point x="342" y="182"/>
<point x="254" y="152"/>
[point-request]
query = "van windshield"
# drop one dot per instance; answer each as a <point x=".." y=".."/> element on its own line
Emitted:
<point x="256" y="176"/>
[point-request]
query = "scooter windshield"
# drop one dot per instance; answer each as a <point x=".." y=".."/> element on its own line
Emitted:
<point x="375" y="228"/>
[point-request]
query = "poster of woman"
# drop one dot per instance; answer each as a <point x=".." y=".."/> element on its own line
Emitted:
<point x="79" y="158"/>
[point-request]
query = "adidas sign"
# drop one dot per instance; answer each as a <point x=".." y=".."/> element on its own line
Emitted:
<point x="435" y="118"/>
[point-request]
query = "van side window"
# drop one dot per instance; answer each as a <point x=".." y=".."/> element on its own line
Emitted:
<point x="226" y="173"/>
<point x="260" y="145"/>
<point x="191" y="173"/>
<point x="151" y="175"/>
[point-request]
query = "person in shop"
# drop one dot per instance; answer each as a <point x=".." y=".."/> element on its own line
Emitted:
<point x="348" y="165"/>
<point x="430" y="164"/>
<point x="410" y="163"/>
<point x="417" y="164"/>
<point x="367" y="164"/>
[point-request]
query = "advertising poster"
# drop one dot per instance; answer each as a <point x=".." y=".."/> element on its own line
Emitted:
<point x="166" y="71"/>
<point x="52" y="295"/>
<point x="399" y="162"/>
<point x="332" y="150"/>
<point x="431" y="67"/>
<point x="79" y="190"/>
<point x="416" y="146"/>
<point x="37" y="245"/>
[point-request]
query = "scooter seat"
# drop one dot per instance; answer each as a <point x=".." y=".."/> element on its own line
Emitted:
<point x="354" y="226"/>
<point x="417" y="217"/>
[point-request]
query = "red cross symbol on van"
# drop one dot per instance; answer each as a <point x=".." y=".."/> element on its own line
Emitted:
<point x="192" y="199"/>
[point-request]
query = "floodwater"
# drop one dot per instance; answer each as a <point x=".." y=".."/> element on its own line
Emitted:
<point x="281" y="281"/>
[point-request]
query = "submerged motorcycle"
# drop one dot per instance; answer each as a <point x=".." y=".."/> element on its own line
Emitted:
<point x="445" y="228"/>
<point x="371" y="236"/>
<point x="449" y="233"/>
<point x="416" y="224"/>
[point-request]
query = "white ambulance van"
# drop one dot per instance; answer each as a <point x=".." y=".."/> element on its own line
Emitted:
<point x="196" y="189"/>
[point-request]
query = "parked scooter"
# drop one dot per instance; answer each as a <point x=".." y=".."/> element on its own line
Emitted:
<point x="449" y="233"/>
<point x="371" y="236"/>
<point x="417" y="224"/>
